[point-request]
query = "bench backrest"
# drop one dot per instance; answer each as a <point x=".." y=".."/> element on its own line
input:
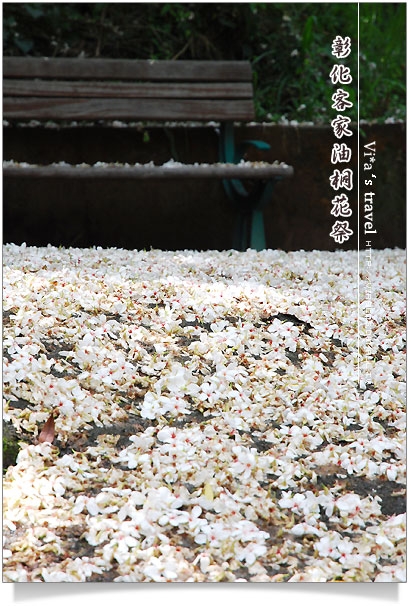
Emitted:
<point x="124" y="89"/>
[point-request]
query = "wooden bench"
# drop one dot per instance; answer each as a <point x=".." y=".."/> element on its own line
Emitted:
<point x="132" y="90"/>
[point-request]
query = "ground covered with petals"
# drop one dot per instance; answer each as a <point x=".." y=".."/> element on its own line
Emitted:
<point x="213" y="419"/>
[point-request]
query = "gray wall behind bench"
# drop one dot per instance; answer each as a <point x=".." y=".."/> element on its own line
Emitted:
<point x="191" y="214"/>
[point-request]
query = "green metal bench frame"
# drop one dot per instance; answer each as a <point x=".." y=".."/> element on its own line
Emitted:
<point x="249" y="205"/>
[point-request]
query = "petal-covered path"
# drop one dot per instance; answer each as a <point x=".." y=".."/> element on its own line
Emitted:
<point x="209" y="422"/>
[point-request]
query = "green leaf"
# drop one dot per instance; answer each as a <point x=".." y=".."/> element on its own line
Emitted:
<point x="24" y="45"/>
<point x="307" y="33"/>
<point x="34" y="11"/>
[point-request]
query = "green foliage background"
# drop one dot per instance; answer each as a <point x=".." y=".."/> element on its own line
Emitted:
<point x="288" y="44"/>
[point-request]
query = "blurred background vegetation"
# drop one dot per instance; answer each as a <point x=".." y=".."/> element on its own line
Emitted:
<point x="289" y="45"/>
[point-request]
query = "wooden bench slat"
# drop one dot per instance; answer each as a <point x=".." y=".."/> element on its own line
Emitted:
<point x="72" y="89"/>
<point x="212" y="171"/>
<point x="127" y="69"/>
<point x="58" y="88"/>
<point x="59" y="108"/>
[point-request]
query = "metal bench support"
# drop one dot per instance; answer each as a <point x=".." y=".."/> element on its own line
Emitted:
<point x="248" y="204"/>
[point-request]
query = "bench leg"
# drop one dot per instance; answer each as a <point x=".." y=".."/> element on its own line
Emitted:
<point x="257" y="237"/>
<point x="241" y="232"/>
